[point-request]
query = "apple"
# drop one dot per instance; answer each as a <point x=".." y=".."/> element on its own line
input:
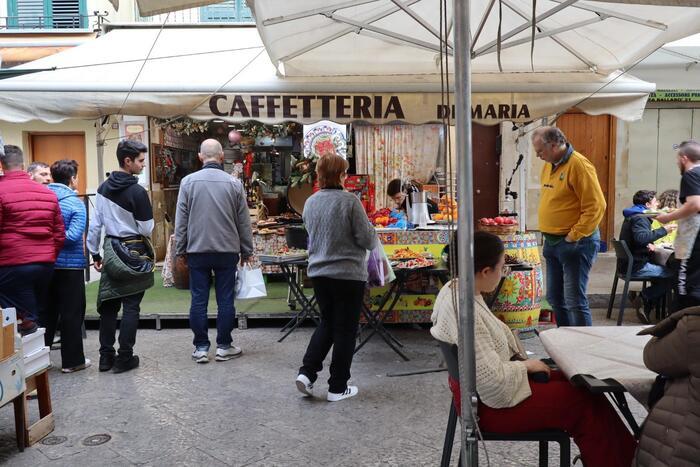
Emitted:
<point x="499" y="220"/>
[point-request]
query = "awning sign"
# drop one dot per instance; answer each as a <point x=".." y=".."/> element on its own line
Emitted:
<point x="373" y="108"/>
<point x="675" y="95"/>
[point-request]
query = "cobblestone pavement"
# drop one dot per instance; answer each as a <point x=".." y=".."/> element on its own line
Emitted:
<point x="247" y="411"/>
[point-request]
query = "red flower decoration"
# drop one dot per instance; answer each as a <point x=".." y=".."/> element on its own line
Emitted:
<point x="324" y="147"/>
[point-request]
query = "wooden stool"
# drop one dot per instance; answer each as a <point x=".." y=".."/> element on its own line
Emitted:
<point x="20" y="420"/>
<point x="45" y="424"/>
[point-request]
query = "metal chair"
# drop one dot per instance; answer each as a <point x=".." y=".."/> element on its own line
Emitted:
<point x="623" y="270"/>
<point x="449" y="351"/>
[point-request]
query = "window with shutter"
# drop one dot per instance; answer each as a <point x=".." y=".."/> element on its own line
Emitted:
<point x="230" y="11"/>
<point x="47" y="14"/>
<point x="26" y="14"/>
<point x="66" y="14"/>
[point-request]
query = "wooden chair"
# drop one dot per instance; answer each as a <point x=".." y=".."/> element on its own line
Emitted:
<point x="449" y="351"/>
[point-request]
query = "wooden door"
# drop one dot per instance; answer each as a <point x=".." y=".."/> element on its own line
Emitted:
<point x="486" y="160"/>
<point x="49" y="148"/>
<point x="594" y="137"/>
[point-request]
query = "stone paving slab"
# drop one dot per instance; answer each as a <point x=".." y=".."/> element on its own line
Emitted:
<point x="247" y="412"/>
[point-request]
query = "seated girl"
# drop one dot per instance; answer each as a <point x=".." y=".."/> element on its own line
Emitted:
<point x="511" y="402"/>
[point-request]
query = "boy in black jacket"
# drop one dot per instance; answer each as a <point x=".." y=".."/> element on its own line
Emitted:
<point x="637" y="233"/>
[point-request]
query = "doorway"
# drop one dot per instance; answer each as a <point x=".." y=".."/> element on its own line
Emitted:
<point x="487" y="169"/>
<point x="594" y="137"/>
<point x="52" y="147"/>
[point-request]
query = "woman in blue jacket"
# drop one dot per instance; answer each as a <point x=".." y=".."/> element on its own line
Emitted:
<point x="67" y="290"/>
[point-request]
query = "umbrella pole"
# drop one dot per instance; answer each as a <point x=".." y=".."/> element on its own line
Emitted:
<point x="465" y="231"/>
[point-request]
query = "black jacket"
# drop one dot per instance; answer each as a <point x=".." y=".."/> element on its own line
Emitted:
<point x="637" y="233"/>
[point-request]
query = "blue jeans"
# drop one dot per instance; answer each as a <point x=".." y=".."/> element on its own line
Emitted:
<point x="223" y="265"/>
<point x="658" y="287"/>
<point x="568" y="265"/>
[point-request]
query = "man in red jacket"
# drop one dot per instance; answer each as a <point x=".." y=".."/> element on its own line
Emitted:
<point x="31" y="236"/>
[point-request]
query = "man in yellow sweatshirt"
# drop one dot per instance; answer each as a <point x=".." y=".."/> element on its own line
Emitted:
<point x="571" y="208"/>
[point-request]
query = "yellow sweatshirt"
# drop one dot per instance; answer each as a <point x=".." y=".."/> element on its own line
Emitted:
<point x="571" y="201"/>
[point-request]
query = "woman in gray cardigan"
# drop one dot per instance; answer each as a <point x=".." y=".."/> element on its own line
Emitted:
<point x="339" y="236"/>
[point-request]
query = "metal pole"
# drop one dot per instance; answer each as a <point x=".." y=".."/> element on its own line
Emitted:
<point x="465" y="231"/>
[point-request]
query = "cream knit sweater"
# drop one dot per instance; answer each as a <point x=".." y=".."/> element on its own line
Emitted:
<point x="500" y="382"/>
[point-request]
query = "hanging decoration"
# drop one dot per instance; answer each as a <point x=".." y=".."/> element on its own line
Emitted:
<point x="255" y="129"/>
<point x="303" y="170"/>
<point x="185" y="126"/>
<point x="234" y="137"/>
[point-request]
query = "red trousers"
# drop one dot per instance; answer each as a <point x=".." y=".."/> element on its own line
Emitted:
<point x="597" y="430"/>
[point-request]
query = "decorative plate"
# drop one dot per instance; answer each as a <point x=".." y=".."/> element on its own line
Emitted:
<point x="324" y="138"/>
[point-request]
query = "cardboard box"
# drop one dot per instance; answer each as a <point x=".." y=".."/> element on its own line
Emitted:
<point x="7" y="333"/>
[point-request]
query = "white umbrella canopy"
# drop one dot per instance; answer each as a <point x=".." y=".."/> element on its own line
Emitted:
<point x="389" y="37"/>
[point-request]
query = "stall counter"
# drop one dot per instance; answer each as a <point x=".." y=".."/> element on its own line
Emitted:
<point x="413" y="307"/>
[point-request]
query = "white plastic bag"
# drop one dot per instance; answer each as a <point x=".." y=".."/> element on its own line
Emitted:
<point x="250" y="283"/>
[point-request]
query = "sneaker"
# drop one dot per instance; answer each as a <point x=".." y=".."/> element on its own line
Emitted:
<point x="351" y="391"/>
<point x="642" y="309"/>
<point x="106" y="362"/>
<point x="85" y="365"/>
<point x="305" y="386"/>
<point x="122" y="365"/>
<point x="200" y="355"/>
<point x="227" y="354"/>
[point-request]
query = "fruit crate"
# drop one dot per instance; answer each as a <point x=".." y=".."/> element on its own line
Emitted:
<point x="508" y="229"/>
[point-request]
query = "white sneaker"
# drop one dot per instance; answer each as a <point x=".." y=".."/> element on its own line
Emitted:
<point x="85" y="365"/>
<point x="348" y="393"/>
<point x="227" y="354"/>
<point x="200" y="356"/>
<point x="305" y="386"/>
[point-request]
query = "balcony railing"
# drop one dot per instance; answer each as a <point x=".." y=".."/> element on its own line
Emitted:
<point x="32" y="23"/>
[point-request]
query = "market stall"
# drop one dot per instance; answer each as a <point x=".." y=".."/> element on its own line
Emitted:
<point x="393" y="124"/>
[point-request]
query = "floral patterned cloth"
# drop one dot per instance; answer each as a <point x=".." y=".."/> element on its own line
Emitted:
<point x="396" y="151"/>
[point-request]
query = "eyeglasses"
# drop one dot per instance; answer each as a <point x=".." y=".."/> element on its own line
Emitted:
<point x="677" y="146"/>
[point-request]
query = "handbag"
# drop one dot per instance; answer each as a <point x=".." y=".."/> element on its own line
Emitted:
<point x="250" y="283"/>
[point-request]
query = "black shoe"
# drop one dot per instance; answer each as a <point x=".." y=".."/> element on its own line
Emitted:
<point x="122" y="365"/>
<point x="106" y="362"/>
<point x="27" y="327"/>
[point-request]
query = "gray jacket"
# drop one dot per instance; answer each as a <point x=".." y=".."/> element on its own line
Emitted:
<point x="212" y="214"/>
<point x="339" y="235"/>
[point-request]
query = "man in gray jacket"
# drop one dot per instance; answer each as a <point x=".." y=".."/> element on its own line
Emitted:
<point x="212" y="228"/>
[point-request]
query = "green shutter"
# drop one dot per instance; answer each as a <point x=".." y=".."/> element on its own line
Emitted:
<point x="47" y="14"/>
<point x="230" y="11"/>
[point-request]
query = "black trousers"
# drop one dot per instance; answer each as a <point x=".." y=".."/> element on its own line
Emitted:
<point x="25" y="287"/>
<point x="65" y="310"/>
<point x="340" y="302"/>
<point x="108" y="310"/>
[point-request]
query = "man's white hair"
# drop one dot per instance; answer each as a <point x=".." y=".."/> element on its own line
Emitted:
<point x="211" y="149"/>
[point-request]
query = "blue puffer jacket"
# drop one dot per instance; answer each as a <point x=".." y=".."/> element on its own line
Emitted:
<point x="72" y="256"/>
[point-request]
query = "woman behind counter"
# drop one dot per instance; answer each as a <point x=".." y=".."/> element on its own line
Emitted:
<point x="509" y="401"/>
<point x="398" y="191"/>
<point x="339" y="236"/>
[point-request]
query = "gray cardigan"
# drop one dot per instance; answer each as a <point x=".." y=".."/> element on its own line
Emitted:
<point x="339" y="235"/>
<point x="212" y="214"/>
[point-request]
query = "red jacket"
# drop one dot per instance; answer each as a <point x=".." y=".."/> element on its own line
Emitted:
<point x="31" y="226"/>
